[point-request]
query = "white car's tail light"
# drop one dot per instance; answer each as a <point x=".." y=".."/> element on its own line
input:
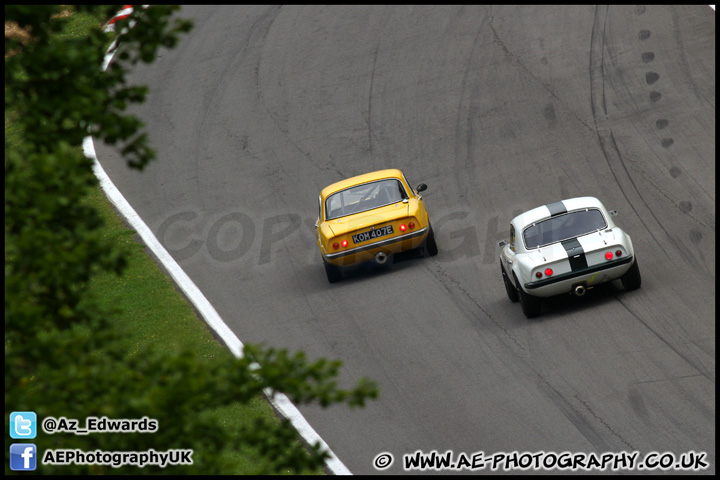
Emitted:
<point x="618" y="253"/>
<point x="548" y="271"/>
<point x="609" y="255"/>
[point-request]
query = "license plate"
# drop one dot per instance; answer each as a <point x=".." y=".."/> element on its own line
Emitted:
<point x="375" y="233"/>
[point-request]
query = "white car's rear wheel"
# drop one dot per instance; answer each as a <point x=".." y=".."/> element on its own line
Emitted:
<point x="632" y="279"/>
<point x="530" y="305"/>
<point x="512" y="292"/>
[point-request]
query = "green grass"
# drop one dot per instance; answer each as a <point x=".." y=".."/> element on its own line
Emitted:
<point x="144" y="297"/>
<point x="150" y="309"/>
<point x="145" y="302"/>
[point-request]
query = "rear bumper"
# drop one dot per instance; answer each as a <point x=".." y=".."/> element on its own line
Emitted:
<point x="366" y="253"/>
<point x="589" y="276"/>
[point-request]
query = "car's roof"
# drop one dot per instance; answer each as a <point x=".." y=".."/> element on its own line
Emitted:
<point x="548" y="210"/>
<point x="360" y="179"/>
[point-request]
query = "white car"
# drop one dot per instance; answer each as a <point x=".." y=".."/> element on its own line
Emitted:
<point x="565" y="247"/>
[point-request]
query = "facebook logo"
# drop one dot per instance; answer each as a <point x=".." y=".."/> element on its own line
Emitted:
<point x="23" y="425"/>
<point x="23" y="456"/>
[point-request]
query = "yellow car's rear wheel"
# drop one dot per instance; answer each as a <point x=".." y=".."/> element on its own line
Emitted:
<point x="334" y="274"/>
<point x="430" y="245"/>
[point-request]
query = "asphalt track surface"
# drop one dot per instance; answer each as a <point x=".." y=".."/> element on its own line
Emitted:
<point x="498" y="109"/>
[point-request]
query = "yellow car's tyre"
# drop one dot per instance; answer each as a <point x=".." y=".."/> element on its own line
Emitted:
<point x="430" y="245"/>
<point x="333" y="273"/>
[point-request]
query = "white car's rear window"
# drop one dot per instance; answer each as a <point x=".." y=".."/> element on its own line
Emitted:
<point x="563" y="227"/>
<point x="364" y="197"/>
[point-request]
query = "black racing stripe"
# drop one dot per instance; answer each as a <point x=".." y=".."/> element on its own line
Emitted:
<point x="556" y="208"/>
<point x="576" y="254"/>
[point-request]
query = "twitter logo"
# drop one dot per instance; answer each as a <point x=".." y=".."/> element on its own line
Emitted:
<point x="23" y="425"/>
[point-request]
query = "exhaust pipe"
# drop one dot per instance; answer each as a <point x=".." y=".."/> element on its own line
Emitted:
<point x="381" y="257"/>
<point x="579" y="290"/>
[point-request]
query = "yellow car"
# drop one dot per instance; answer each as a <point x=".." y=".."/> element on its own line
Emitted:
<point x="371" y="217"/>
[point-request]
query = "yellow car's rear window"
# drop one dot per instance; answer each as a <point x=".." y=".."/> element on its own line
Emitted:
<point x="364" y="197"/>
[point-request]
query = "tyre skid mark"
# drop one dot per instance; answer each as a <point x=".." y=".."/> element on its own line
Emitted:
<point x="701" y="370"/>
<point x="582" y="424"/>
<point x="456" y="289"/>
<point x="606" y="137"/>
